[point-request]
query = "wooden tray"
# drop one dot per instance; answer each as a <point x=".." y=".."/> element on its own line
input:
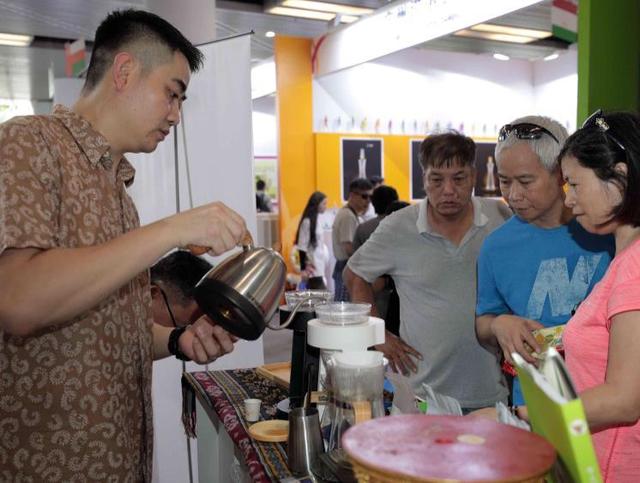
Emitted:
<point x="271" y="431"/>
<point x="278" y="372"/>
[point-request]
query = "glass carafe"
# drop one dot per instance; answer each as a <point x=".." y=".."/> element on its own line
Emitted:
<point x="357" y="380"/>
<point x="327" y="410"/>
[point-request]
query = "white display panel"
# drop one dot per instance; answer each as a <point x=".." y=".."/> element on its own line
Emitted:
<point x="217" y="124"/>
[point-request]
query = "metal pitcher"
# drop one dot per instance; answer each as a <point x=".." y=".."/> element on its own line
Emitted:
<point x="242" y="293"/>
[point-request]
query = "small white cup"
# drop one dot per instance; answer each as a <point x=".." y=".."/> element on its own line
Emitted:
<point x="252" y="409"/>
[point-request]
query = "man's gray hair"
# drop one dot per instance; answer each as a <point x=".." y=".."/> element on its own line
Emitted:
<point x="544" y="147"/>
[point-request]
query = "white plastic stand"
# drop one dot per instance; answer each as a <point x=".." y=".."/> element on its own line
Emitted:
<point x="356" y="337"/>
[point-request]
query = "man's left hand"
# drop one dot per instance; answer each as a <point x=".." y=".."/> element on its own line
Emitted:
<point x="204" y="341"/>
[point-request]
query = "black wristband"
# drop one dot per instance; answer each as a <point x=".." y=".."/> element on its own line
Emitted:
<point x="174" y="347"/>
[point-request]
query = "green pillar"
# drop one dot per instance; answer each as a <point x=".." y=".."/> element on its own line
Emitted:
<point x="608" y="56"/>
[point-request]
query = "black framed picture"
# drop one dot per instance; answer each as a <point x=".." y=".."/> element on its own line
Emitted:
<point x="361" y="158"/>
<point x="417" y="184"/>
<point x="486" y="171"/>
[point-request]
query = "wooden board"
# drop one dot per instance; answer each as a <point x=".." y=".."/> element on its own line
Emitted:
<point x="278" y="372"/>
<point x="271" y="431"/>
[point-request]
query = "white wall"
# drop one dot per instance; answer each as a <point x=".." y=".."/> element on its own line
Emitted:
<point x="556" y="88"/>
<point x="445" y="88"/>
<point x="66" y="90"/>
<point x="217" y="121"/>
<point x="265" y="126"/>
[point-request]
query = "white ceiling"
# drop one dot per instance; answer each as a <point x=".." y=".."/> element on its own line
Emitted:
<point x="24" y="70"/>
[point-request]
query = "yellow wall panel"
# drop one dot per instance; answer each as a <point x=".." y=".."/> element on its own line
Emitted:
<point x="294" y="103"/>
<point x="396" y="155"/>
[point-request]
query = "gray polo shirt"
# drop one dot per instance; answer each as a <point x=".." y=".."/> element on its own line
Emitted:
<point x="436" y="283"/>
<point x="344" y="227"/>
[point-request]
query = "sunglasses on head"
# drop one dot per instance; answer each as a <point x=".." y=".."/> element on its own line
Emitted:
<point x="524" y="130"/>
<point x="596" y="120"/>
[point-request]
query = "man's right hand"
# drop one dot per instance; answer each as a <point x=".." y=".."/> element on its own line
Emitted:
<point x="399" y="353"/>
<point x="512" y="332"/>
<point x="215" y="226"/>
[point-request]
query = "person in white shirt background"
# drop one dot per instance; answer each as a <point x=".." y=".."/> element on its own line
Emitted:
<point x="309" y="240"/>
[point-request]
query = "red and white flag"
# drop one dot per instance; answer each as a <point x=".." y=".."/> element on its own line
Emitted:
<point x="74" y="56"/>
<point x="564" y="19"/>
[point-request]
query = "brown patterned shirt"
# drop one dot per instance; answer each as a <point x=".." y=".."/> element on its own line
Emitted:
<point x="75" y="400"/>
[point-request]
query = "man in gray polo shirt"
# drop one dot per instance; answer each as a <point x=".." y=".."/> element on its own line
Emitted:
<point x="344" y="227"/>
<point x="430" y="251"/>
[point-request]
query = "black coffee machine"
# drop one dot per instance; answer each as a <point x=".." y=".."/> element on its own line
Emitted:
<point x="305" y="359"/>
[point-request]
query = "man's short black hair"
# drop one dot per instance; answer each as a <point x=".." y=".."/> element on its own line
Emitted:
<point x="382" y="197"/>
<point x="180" y="271"/>
<point x="447" y="149"/>
<point x="124" y="28"/>
<point x="261" y="185"/>
<point x="360" y="184"/>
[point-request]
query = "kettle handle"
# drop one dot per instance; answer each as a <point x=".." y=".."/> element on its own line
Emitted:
<point x="246" y="243"/>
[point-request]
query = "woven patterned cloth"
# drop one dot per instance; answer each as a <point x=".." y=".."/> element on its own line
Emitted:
<point x="225" y="392"/>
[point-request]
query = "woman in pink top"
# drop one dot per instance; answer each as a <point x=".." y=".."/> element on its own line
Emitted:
<point x="601" y="164"/>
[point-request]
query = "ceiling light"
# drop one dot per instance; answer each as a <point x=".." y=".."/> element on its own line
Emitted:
<point x="501" y="56"/>
<point x="326" y="7"/>
<point x="553" y="56"/>
<point x="296" y="12"/>
<point x="348" y="18"/>
<point x="15" y="40"/>
<point x="270" y="34"/>
<point x="517" y="31"/>
<point x="494" y="36"/>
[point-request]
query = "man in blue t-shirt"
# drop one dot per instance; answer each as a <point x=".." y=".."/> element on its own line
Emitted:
<point x="534" y="270"/>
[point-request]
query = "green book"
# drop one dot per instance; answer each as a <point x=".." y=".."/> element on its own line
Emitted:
<point x="556" y="413"/>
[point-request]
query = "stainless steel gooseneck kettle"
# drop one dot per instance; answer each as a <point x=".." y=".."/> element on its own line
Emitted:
<point x="242" y="293"/>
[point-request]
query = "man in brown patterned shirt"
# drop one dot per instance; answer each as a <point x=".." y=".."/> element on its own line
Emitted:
<point x="76" y="334"/>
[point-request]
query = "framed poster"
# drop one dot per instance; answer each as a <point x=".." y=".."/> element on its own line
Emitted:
<point x="417" y="183"/>
<point x="486" y="171"/>
<point x="360" y="158"/>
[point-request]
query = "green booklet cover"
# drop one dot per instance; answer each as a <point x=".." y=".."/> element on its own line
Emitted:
<point x="556" y="413"/>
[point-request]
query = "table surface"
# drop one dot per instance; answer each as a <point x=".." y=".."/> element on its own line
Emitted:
<point x="225" y="392"/>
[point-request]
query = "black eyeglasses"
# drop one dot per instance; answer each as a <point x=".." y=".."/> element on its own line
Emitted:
<point x="364" y="196"/>
<point x="524" y="130"/>
<point x="166" y="303"/>
<point x="596" y="120"/>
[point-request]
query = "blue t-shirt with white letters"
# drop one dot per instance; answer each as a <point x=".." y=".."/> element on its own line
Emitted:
<point x="539" y="273"/>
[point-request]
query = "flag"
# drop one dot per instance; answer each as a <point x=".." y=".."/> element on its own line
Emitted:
<point x="564" y="19"/>
<point x="74" y="56"/>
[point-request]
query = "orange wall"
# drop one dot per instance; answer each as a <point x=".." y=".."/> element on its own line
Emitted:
<point x="395" y="158"/>
<point x="294" y="104"/>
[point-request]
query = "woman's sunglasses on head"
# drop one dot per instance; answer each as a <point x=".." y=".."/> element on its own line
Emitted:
<point x="597" y="121"/>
